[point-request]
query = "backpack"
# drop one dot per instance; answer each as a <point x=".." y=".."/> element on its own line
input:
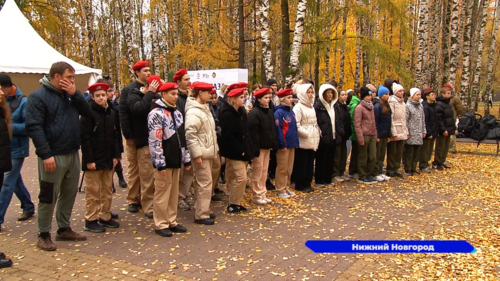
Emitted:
<point x="489" y="120"/>
<point x="467" y="123"/>
<point x="494" y="134"/>
<point x="479" y="132"/>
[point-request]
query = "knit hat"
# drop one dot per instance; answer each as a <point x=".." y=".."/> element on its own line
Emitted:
<point x="396" y="88"/>
<point x="364" y="91"/>
<point x="271" y="82"/>
<point x="5" y="80"/>
<point x="414" y="91"/>
<point x="372" y="88"/>
<point x="382" y="91"/>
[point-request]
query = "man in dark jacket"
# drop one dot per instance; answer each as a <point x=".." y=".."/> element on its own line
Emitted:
<point x="52" y="116"/>
<point x="141" y="71"/>
<point x="100" y="154"/>
<point x="446" y="128"/>
<point x="19" y="150"/>
<point x="181" y="77"/>
<point x="431" y="127"/>
<point x="139" y="102"/>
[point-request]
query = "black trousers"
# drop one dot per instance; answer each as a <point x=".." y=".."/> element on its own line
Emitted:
<point x="272" y="165"/>
<point x="353" y="163"/>
<point x="118" y="167"/>
<point x="323" y="171"/>
<point x="303" y="167"/>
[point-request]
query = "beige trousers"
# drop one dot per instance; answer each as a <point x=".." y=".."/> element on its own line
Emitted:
<point x="284" y="159"/>
<point x="185" y="182"/>
<point x="203" y="188"/>
<point x="260" y="166"/>
<point x="166" y="194"/>
<point x="236" y="180"/>
<point x="146" y="175"/>
<point x="134" y="184"/>
<point x="98" y="195"/>
<point x="215" y="173"/>
<point x="453" y="143"/>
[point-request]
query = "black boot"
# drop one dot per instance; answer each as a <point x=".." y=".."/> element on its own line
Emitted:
<point x="121" y="181"/>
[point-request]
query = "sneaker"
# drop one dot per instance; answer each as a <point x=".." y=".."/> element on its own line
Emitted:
<point x="399" y="175"/>
<point x="426" y="170"/>
<point x="379" y="178"/>
<point x="439" y="167"/>
<point x="346" y="178"/>
<point x="45" y="243"/>
<point x="385" y="177"/>
<point x="69" y="235"/>
<point x="5" y="263"/>
<point x="267" y="200"/>
<point x="372" y="179"/>
<point x="410" y="173"/>
<point x="365" y="181"/>
<point x="111" y="223"/>
<point x="291" y="193"/>
<point x="355" y="176"/>
<point x="233" y="208"/>
<point x="339" y="179"/>
<point x="94" y="226"/>
<point x="283" y="195"/>
<point x="133" y="208"/>
<point x="184" y="206"/>
<point x="259" y="201"/>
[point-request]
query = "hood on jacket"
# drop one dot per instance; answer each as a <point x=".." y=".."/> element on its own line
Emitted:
<point x="322" y="90"/>
<point x="301" y="91"/>
<point x="193" y="103"/>
<point x="395" y="99"/>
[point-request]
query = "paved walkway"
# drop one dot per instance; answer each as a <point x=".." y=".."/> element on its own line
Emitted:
<point x="265" y="243"/>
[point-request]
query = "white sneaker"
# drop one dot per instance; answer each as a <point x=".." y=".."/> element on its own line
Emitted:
<point x="319" y="185"/>
<point x="355" y="176"/>
<point x="291" y="193"/>
<point x="267" y="200"/>
<point x="385" y="177"/>
<point x="379" y="178"/>
<point x="284" y="195"/>
<point x="331" y="184"/>
<point x="339" y="179"/>
<point x="346" y="178"/>
<point x="259" y="201"/>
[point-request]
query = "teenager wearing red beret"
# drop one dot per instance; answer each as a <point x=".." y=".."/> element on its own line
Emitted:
<point x="235" y="147"/>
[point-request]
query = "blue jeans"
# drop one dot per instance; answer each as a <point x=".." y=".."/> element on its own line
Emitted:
<point x="13" y="183"/>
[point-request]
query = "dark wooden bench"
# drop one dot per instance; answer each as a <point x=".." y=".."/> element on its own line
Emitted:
<point x="469" y="140"/>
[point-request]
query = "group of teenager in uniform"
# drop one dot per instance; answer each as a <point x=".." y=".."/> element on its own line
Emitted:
<point x="180" y="136"/>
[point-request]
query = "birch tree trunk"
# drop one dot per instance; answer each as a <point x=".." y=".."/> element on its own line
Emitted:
<point x="479" y="59"/>
<point x="200" y="32"/>
<point x="423" y="35"/>
<point x="466" y="58"/>
<point x="445" y="52"/>
<point x="432" y="70"/>
<point x="454" y="51"/>
<point x="155" y="52"/>
<point x="491" y="58"/>
<point x="177" y="30"/>
<point x="266" y="41"/>
<point x="90" y="30"/>
<point x="358" y="55"/>
<point x="298" y="34"/>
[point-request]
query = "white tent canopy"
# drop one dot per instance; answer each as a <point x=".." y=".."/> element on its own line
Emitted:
<point x="24" y="51"/>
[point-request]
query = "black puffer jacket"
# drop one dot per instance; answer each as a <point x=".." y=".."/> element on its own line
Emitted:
<point x="431" y="121"/>
<point x="100" y="138"/>
<point x="343" y="115"/>
<point x="5" y="161"/>
<point x="140" y="105"/>
<point x="235" y="139"/>
<point x="444" y="112"/>
<point x="262" y="128"/>
<point x="325" y="124"/>
<point x="52" y="121"/>
<point x="181" y="103"/>
<point x="125" y="117"/>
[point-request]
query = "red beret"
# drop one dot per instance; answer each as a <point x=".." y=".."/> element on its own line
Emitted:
<point x="154" y="78"/>
<point x="427" y="88"/>
<point x="202" y="86"/>
<point x="213" y="91"/>
<point x="178" y="75"/>
<point x="232" y="87"/>
<point x="243" y="85"/>
<point x="261" y="92"/>
<point x="284" y="93"/>
<point x="140" y="64"/>
<point x="236" y="92"/>
<point x="97" y="87"/>
<point x="168" y="86"/>
<point x="448" y="86"/>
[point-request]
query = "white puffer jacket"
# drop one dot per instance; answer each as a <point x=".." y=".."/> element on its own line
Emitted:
<point x="200" y="130"/>
<point x="399" y="130"/>
<point x="305" y="115"/>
